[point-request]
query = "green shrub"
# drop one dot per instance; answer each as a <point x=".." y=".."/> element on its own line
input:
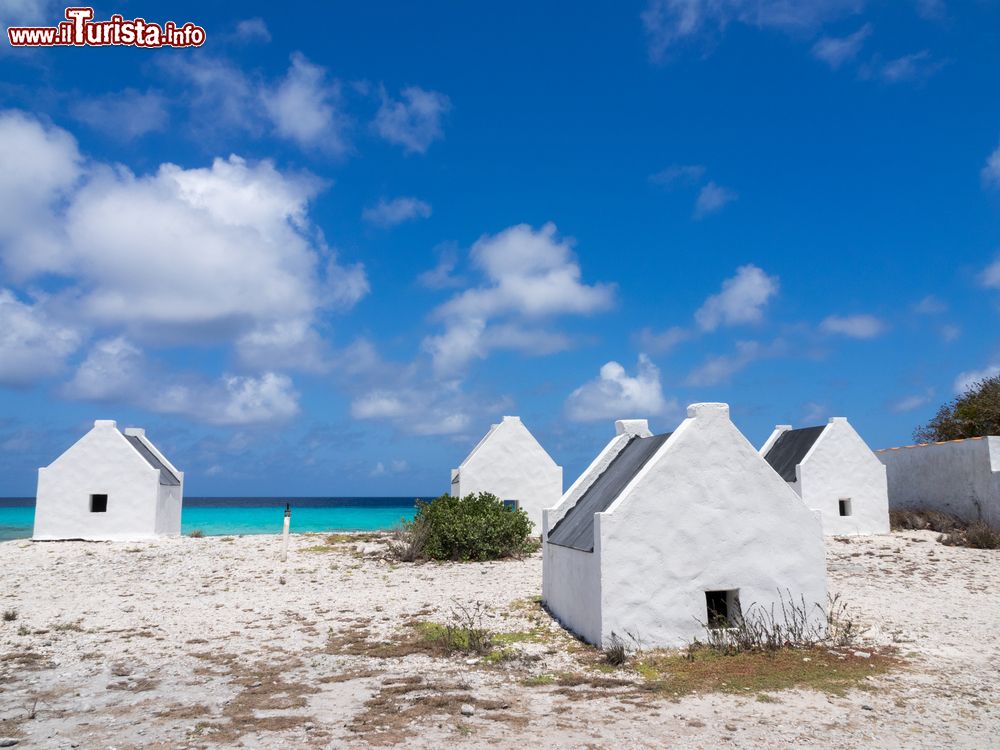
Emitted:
<point x="474" y="527"/>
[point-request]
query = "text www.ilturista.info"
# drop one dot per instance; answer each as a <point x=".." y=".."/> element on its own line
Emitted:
<point x="80" y="30"/>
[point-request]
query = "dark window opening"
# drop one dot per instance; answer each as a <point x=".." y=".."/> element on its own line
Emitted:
<point x="845" y="507"/>
<point x="723" y="607"/>
<point x="512" y="504"/>
<point x="98" y="503"/>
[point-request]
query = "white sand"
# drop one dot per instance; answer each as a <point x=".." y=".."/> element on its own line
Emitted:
<point x="197" y="643"/>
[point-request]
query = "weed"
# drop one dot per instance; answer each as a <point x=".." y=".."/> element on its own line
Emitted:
<point x="9" y="615"/>
<point x="196" y="533"/>
<point x="921" y="520"/>
<point x="977" y="535"/>
<point x="538" y="680"/>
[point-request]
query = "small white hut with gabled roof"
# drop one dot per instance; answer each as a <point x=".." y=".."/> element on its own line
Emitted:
<point x="511" y="464"/>
<point x="834" y="472"/>
<point x="110" y="487"/>
<point x="663" y="534"/>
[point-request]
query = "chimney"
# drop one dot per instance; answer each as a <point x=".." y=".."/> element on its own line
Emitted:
<point x="633" y="427"/>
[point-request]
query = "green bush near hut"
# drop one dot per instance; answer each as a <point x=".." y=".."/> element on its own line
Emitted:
<point x="475" y="527"/>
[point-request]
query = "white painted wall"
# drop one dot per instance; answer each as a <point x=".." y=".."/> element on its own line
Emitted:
<point x="103" y="462"/>
<point x="961" y="477"/>
<point x="840" y="465"/>
<point x="511" y="464"/>
<point x="705" y="513"/>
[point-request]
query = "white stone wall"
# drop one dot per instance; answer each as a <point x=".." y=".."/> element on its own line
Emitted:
<point x="511" y="464"/>
<point x="103" y="462"/>
<point x="840" y="465"/>
<point x="705" y="513"/>
<point x="571" y="590"/>
<point x="961" y="477"/>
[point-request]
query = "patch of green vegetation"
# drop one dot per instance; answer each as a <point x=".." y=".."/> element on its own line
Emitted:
<point x="704" y="670"/>
<point x="539" y="680"/>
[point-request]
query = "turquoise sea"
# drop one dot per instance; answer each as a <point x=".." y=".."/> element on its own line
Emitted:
<point x="251" y="515"/>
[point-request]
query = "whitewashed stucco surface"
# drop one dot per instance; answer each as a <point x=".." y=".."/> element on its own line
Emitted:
<point x="103" y="462"/>
<point x="961" y="477"/>
<point x="840" y="465"/>
<point x="705" y="513"/>
<point x="510" y="463"/>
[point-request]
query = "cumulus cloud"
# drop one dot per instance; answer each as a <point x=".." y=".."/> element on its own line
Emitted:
<point x="223" y="255"/>
<point x="741" y="300"/>
<point x="221" y="97"/>
<point x="912" y="68"/>
<point x="414" y="120"/>
<point x="911" y="402"/>
<point x="711" y="199"/>
<point x="965" y="380"/>
<point x="721" y="368"/>
<point x="991" y="171"/>
<point x="388" y="213"/>
<point x="32" y="345"/>
<point x="124" y="114"/>
<point x="614" y="394"/>
<point x="305" y="107"/>
<point x="443" y="275"/>
<point x="854" y="326"/>
<point x="529" y="275"/>
<point x="990" y="276"/>
<point x="835" y="51"/>
<point x="396" y="466"/>
<point x="670" y="22"/>
<point x="930" y="305"/>
<point x="678" y="173"/>
<point x="118" y="370"/>
<point x="660" y="342"/>
<point x="253" y="30"/>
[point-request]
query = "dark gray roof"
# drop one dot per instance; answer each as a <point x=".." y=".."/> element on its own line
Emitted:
<point x="576" y="528"/>
<point x="790" y="448"/>
<point x="166" y="476"/>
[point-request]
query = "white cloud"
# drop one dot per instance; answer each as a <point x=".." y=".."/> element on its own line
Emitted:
<point x="991" y="171"/>
<point x="32" y="346"/>
<point x="909" y="403"/>
<point x="813" y="412"/>
<point x="41" y="166"/>
<point x="396" y="211"/>
<point x="678" y="173"/>
<point x="930" y="305"/>
<point x="222" y="98"/>
<point x="124" y="114"/>
<point x="529" y="275"/>
<point x="414" y="121"/>
<point x="990" y="276"/>
<point x="614" y="394"/>
<point x="416" y="411"/>
<point x="719" y="369"/>
<point x="950" y="332"/>
<point x="711" y="199"/>
<point x="442" y="276"/>
<point x="305" y="107"/>
<point x="835" y="51"/>
<point x="965" y="380"/>
<point x="670" y="22"/>
<point x="854" y="326"/>
<point x="741" y="300"/>
<point x="663" y="341"/>
<point x="218" y="254"/>
<point x="396" y="466"/>
<point x="912" y="68"/>
<point x="931" y="9"/>
<point x="253" y="30"/>
<point x="117" y="370"/>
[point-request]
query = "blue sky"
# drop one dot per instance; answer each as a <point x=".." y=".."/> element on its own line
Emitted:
<point x="321" y="254"/>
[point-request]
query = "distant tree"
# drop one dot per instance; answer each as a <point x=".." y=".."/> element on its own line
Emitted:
<point x="973" y="414"/>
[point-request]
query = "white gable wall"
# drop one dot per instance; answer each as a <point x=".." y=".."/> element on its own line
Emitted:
<point x="512" y="465"/>
<point x="102" y="462"/>
<point x="840" y="465"/>
<point x="706" y="513"/>
<point x="961" y="477"/>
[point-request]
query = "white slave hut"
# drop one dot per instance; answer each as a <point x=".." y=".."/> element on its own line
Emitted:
<point x="109" y="486"/>
<point x="664" y="535"/>
<point x="835" y="472"/>
<point x="511" y="464"/>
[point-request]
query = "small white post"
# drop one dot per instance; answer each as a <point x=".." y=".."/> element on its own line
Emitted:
<point x="284" y="532"/>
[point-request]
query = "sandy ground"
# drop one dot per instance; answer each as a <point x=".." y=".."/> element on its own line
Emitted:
<point x="215" y="643"/>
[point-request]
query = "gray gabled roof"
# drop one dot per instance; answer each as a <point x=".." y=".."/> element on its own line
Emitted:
<point x="166" y="476"/>
<point x="790" y="448"/>
<point x="576" y="528"/>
